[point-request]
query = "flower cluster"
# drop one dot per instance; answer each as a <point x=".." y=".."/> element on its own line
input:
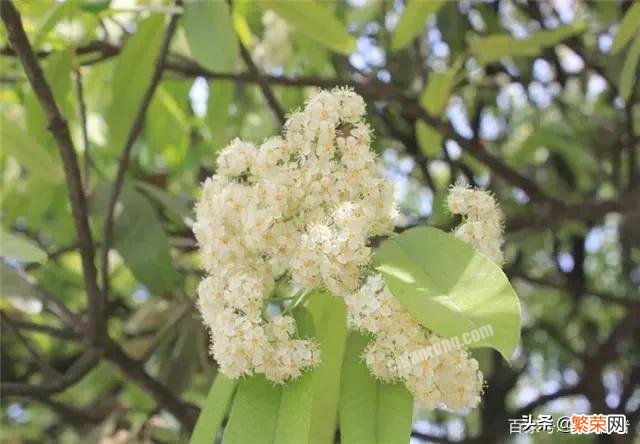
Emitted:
<point x="275" y="47"/>
<point x="300" y="208"/>
<point x="451" y="379"/>
<point x="483" y="221"/>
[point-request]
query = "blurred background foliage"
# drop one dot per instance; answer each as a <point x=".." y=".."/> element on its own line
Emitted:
<point x="536" y="101"/>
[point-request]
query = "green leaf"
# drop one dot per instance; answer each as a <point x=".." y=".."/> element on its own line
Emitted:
<point x="306" y="409"/>
<point x="167" y="200"/>
<point x="309" y="405"/>
<point x="220" y="97"/>
<point x="544" y="39"/>
<point x="629" y="69"/>
<point x="434" y="98"/>
<point x="18" y="143"/>
<point x="214" y="410"/>
<point x="370" y="410"/>
<point x="491" y="48"/>
<point x="413" y="20"/>
<point x="254" y="413"/>
<point x="143" y="244"/>
<point x="59" y="12"/>
<point x="17" y="247"/>
<point x="209" y="31"/>
<point x="18" y="290"/>
<point x="167" y="124"/>
<point x="131" y="77"/>
<point x="558" y="137"/>
<point x="315" y="21"/>
<point x="450" y="287"/>
<point x="628" y="27"/>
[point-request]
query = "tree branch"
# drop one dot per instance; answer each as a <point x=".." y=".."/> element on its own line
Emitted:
<point x="543" y="399"/>
<point x="45" y="329"/>
<point x="186" y="414"/>
<point x="75" y="373"/>
<point x="83" y="126"/>
<point x="58" y="126"/>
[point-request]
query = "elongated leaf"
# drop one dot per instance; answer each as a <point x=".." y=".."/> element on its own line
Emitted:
<point x="296" y="405"/>
<point x="220" y="96"/>
<point x="307" y="408"/>
<point x="450" y="287"/>
<point x="143" y="244"/>
<point x="131" y="77"/>
<point x="18" y="290"/>
<point x="209" y="31"/>
<point x="371" y="411"/>
<point x="314" y="419"/>
<point x="254" y="413"/>
<point x="628" y="28"/>
<point x="329" y="316"/>
<point x="18" y="143"/>
<point x="434" y="98"/>
<point x="491" y="48"/>
<point x="167" y="124"/>
<point x="315" y="21"/>
<point x="544" y="39"/>
<point x="167" y="200"/>
<point x="629" y="69"/>
<point x="215" y="408"/>
<point x="59" y="12"/>
<point x="16" y="247"/>
<point x="413" y="20"/>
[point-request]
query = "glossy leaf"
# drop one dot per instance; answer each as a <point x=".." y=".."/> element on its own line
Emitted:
<point x="220" y="96"/>
<point x="17" y="142"/>
<point x="254" y="413"/>
<point x="434" y="98"/>
<point x="210" y="34"/>
<point x="317" y="422"/>
<point x="17" y="247"/>
<point x="493" y="47"/>
<point x="628" y="28"/>
<point x="629" y="69"/>
<point x="143" y="244"/>
<point x="18" y="291"/>
<point x="413" y="21"/>
<point x="131" y="77"/>
<point x="214" y="410"/>
<point x="315" y="21"/>
<point x="450" y="287"/>
<point x="371" y="411"/>
<point x="167" y="200"/>
<point x="307" y="408"/>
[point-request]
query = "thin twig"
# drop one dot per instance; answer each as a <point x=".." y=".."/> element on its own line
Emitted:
<point x="134" y="370"/>
<point x="75" y="373"/>
<point x="15" y="331"/>
<point x="265" y="87"/>
<point x="56" y="332"/>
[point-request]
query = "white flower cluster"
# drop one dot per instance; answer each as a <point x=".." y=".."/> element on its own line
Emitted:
<point x="300" y="207"/>
<point x="483" y="221"/>
<point x="451" y="379"/>
<point x="275" y="47"/>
